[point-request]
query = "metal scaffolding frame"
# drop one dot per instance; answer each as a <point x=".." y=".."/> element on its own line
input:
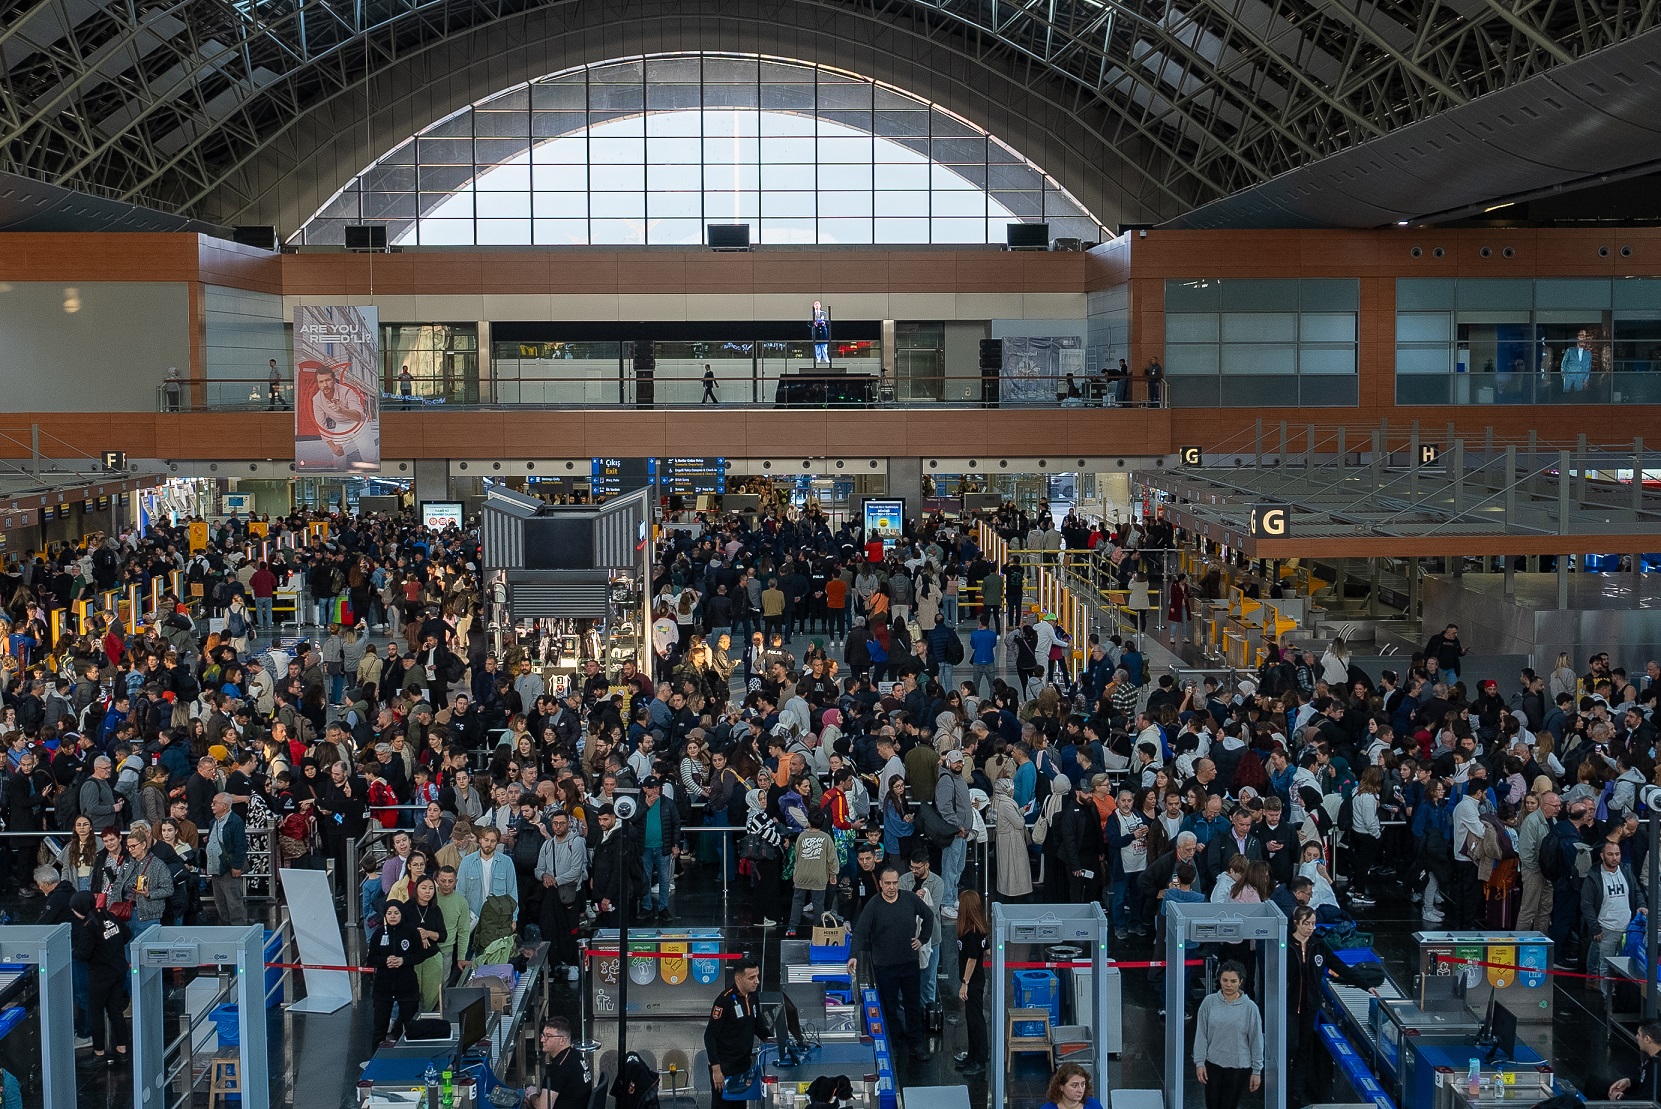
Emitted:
<point x="189" y="105"/>
<point x="1386" y="493"/>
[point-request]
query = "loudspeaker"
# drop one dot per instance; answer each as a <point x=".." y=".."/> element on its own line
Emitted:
<point x="366" y="236"/>
<point x="261" y="235"/>
<point x="1027" y="236"/>
<point x="645" y="366"/>
<point x="991" y="369"/>
<point x="727" y="236"/>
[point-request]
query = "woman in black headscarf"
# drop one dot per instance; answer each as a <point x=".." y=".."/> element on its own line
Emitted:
<point x="100" y="944"/>
<point x="394" y="950"/>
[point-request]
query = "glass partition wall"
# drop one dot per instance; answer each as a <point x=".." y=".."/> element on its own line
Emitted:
<point x="1528" y="341"/>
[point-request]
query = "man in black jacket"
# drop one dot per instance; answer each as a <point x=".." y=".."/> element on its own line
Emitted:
<point x="1158" y="876"/>
<point x="616" y="859"/>
<point x="1279" y="838"/>
<point x="1080" y="849"/>
<point x="1238" y="840"/>
<point x="25" y="802"/>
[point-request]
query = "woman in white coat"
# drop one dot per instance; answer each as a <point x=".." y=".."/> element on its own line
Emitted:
<point x="1335" y="665"/>
<point x="1014" y="870"/>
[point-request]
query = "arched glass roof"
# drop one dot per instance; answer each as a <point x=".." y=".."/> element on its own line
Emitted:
<point x="648" y="150"/>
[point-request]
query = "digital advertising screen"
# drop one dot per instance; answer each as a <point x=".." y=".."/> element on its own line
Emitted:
<point x="439" y="515"/>
<point x="884" y="519"/>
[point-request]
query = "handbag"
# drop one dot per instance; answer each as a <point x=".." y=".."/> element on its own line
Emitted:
<point x="753" y="847"/>
<point x="120" y="910"/>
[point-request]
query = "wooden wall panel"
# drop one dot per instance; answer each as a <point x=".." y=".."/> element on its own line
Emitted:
<point x="1536" y="252"/>
<point x="115" y="256"/>
<point x="240" y="267"/>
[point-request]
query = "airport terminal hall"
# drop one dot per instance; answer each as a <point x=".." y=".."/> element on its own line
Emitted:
<point x="830" y="554"/>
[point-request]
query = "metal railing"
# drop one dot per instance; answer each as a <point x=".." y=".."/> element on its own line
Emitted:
<point x="855" y="385"/>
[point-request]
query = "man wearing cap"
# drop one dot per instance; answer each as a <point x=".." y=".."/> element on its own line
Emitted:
<point x="658" y="824"/>
<point x="951" y="798"/>
<point x="562" y="868"/>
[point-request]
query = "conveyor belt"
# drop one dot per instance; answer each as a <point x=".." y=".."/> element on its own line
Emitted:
<point x="502" y="1035"/>
<point x="1354" y="1004"/>
<point x="12" y="978"/>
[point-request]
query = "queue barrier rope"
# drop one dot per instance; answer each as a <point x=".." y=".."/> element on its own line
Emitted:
<point x="1085" y="964"/>
<point x="693" y="955"/>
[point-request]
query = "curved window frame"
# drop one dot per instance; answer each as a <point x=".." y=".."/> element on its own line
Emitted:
<point x="603" y="155"/>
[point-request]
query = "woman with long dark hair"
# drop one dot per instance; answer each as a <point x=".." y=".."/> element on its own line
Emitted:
<point x="971" y="961"/>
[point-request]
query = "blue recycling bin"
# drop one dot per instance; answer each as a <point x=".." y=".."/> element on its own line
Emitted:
<point x="1037" y="989"/>
<point x="224" y="1019"/>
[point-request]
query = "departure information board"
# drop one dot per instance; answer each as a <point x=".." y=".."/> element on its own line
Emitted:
<point x="687" y="477"/>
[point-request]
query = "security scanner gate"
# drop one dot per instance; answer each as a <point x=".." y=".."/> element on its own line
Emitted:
<point x="1189" y="930"/>
<point x="161" y="948"/>
<point x="47" y="949"/>
<point x="1055" y="992"/>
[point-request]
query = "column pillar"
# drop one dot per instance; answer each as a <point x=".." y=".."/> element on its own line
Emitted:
<point x="905" y="479"/>
<point x="432" y="480"/>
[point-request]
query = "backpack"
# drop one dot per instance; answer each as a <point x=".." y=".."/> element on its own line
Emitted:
<point x="1044" y="785"/>
<point x="954" y="649"/>
<point x="236" y="624"/>
<point x="1603" y="801"/>
<point x="1047" y="812"/>
<point x="1552" y="867"/>
<point x="1346" y="814"/>
<point x="1026" y="644"/>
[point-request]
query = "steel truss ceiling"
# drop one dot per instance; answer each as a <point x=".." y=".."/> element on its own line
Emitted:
<point x="167" y="104"/>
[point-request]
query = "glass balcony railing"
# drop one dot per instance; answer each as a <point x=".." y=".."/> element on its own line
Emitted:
<point x="1526" y="388"/>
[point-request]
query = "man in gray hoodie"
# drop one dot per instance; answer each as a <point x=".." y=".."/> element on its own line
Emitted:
<point x="951" y="797"/>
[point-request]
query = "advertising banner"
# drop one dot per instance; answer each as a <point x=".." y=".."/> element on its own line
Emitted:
<point x="1036" y="370"/>
<point x="337" y="414"/>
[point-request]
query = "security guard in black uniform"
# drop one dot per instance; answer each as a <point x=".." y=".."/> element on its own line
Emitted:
<point x="734" y="1024"/>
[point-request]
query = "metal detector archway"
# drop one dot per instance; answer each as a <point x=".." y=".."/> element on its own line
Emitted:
<point x="161" y="948"/>
<point x="47" y="948"/>
<point x="1187" y="927"/>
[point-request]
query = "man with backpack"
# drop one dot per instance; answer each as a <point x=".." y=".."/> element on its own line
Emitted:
<point x="945" y="650"/>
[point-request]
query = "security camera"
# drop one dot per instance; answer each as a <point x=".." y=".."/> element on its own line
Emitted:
<point x="1651" y="796"/>
<point x="624" y="807"/>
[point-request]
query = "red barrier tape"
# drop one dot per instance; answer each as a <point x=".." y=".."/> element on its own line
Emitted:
<point x="593" y="952"/>
<point x="1084" y="964"/>
<point x="1531" y="970"/>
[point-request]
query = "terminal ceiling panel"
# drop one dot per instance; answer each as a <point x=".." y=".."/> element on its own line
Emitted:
<point x="195" y="107"/>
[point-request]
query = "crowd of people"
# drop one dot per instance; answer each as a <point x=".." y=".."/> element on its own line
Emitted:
<point x="861" y="777"/>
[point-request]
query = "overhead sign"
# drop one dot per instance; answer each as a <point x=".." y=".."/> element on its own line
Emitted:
<point x="337" y="414"/>
<point x="439" y="515"/>
<point x="1429" y="453"/>
<point x="1271" y="521"/>
<point x="114" y="460"/>
<point x="1189" y="456"/>
<point x="689" y="477"/>
<point x="610" y="476"/>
